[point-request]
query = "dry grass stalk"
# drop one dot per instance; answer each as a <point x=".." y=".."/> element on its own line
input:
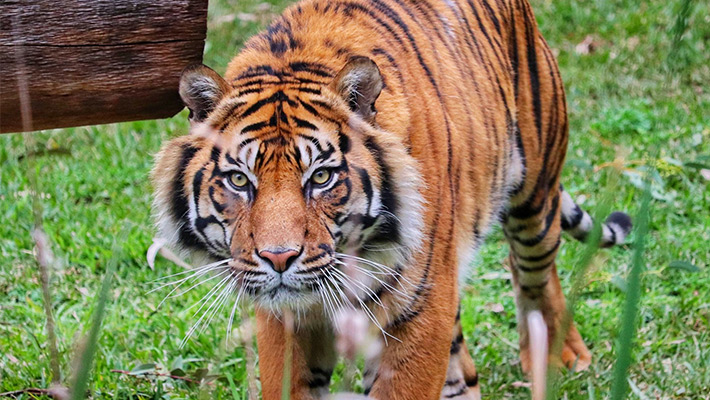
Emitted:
<point x="56" y="392"/>
<point x="247" y="339"/>
<point x="43" y="252"/>
<point x="44" y="257"/>
<point x="288" y="322"/>
<point x="537" y="331"/>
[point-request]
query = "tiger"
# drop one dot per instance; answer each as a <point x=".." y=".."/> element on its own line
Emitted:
<point x="385" y="137"/>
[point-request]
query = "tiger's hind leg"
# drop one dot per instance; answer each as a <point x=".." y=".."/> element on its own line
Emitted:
<point x="461" y="376"/>
<point x="534" y="236"/>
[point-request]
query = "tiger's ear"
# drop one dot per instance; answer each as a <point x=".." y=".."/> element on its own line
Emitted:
<point x="201" y="88"/>
<point x="359" y="83"/>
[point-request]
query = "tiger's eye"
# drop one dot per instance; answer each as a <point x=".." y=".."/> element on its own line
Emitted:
<point x="321" y="176"/>
<point x="238" y="179"/>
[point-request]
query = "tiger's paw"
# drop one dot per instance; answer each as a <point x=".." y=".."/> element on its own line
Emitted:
<point x="574" y="355"/>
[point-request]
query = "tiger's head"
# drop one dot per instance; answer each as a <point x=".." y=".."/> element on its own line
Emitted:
<point x="283" y="178"/>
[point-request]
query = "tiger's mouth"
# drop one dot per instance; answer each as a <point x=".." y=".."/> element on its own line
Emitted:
<point x="297" y="288"/>
<point x="343" y="282"/>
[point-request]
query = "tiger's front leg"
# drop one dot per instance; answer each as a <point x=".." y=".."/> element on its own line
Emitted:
<point x="313" y="358"/>
<point x="414" y="366"/>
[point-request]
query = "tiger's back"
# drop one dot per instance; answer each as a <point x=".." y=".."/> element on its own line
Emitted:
<point x="432" y="120"/>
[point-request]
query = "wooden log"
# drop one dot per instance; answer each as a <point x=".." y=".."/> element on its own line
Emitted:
<point x="96" y="61"/>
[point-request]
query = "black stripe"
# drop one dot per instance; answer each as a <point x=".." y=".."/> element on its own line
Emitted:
<point x="255" y="127"/>
<point x="258" y="70"/>
<point x="349" y="7"/>
<point x="535" y="269"/>
<point x="313" y="68"/>
<point x="250" y="90"/>
<point x="366" y="186"/>
<point x="389" y="229"/>
<point x="315" y="257"/>
<point x="572" y="221"/>
<point x="343" y="142"/>
<point x="548" y="224"/>
<point x="179" y="203"/>
<point x="459" y="393"/>
<point x="542" y="256"/>
<point x="219" y="207"/>
<point x="319" y="378"/>
<point x="456" y="344"/>
<point x="248" y="262"/>
<point x="278" y="96"/>
<point x="613" y="234"/>
<point x="492" y="16"/>
<point x="302" y="123"/>
<point x="309" y="108"/>
<point x="534" y="75"/>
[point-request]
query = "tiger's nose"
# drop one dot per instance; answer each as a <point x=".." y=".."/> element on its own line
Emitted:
<point x="280" y="260"/>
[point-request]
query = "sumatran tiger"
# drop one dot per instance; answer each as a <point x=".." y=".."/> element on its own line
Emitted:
<point x="388" y="135"/>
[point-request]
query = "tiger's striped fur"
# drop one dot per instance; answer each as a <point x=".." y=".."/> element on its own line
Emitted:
<point x="432" y="120"/>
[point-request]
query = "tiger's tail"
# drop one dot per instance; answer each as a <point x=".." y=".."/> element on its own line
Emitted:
<point x="579" y="223"/>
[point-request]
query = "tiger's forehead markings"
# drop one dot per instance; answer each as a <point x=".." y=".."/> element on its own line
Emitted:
<point x="273" y="111"/>
<point x="295" y="72"/>
<point x="304" y="150"/>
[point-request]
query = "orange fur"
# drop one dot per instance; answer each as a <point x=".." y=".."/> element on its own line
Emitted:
<point x="469" y="128"/>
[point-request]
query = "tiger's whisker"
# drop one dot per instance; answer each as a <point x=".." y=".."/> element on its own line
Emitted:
<point x="383" y="268"/>
<point x="384" y="284"/>
<point x="321" y="293"/>
<point x="337" y="287"/>
<point x="204" y="302"/>
<point x="226" y="292"/>
<point x="197" y="284"/>
<point x="330" y="303"/>
<point x="206" y="297"/>
<point x="216" y="263"/>
<point x="367" y="311"/>
<point x="234" y="309"/>
<point x="362" y="286"/>
<point x="336" y="301"/>
<point x="224" y="295"/>
<point x="171" y="295"/>
<point x="187" y="278"/>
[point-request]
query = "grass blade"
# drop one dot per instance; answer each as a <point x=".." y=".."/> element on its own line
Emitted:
<point x="86" y="356"/>
<point x="633" y="295"/>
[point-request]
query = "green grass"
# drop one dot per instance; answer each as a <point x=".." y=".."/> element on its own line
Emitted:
<point x="642" y="96"/>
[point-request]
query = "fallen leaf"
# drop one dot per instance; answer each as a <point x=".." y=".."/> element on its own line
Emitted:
<point x="586" y="46"/>
<point x="632" y="42"/>
<point x="496" y="275"/>
<point x="494" y="307"/>
<point x="247" y="17"/>
<point x="58" y="392"/>
<point x="223" y="19"/>
<point x="263" y="7"/>
<point x="519" y="384"/>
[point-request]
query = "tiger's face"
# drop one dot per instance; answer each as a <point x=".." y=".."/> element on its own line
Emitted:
<point x="281" y="184"/>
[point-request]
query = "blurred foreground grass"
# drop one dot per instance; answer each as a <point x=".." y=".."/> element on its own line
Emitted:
<point x="639" y="102"/>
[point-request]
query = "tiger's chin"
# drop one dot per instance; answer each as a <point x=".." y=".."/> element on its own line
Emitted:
<point x="280" y="297"/>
